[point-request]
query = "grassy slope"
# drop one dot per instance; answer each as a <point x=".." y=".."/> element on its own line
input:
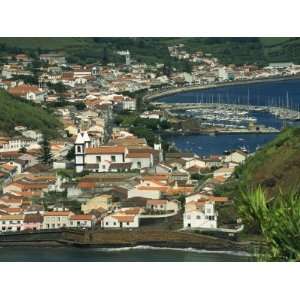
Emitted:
<point x="15" y="112"/>
<point x="276" y="166"/>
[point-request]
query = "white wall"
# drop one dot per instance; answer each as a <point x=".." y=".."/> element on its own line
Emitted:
<point x="150" y="194"/>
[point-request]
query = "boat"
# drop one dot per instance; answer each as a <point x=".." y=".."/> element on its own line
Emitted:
<point x="244" y="149"/>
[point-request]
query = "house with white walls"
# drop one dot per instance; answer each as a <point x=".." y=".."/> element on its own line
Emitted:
<point x="124" y="218"/>
<point x="203" y="216"/>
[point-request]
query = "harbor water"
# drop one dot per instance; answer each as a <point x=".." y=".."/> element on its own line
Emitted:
<point x="258" y="94"/>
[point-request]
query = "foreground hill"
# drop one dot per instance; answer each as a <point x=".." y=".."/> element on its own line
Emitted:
<point x="14" y="112"/>
<point x="151" y="50"/>
<point x="275" y="167"/>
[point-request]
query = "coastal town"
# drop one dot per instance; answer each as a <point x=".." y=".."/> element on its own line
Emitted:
<point x="109" y="166"/>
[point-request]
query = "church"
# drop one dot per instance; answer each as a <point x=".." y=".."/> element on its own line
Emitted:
<point x="119" y="155"/>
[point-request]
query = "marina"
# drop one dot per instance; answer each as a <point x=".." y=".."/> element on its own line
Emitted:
<point x="253" y="113"/>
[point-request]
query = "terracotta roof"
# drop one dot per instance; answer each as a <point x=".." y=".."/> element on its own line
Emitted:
<point x="33" y="218"/>
<point x="138" y="155"/>
<point x="87" y="185"/>
<point x="12" y="210"/>
<point x="12" y="217"/>
<point x="132" y="211"/>
<point x="81" y="217"/>
<point x="124" y="218"/>
<point x="23" y="89"/>
<point x="8" y="167"/>
<point x="156" y="202"/>
<point x="106" y="150"/>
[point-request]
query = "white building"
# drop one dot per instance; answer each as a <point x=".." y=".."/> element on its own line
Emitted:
<point x="82" y="221"/>
<point x="162" y="205"/>
<point x="203" y="217"/>
<point x="16" y="144"/>
<point x="120" y="221"/>
<point x="11" y="223"/>
<point x="129" y="104"/>
<point x="56" y="219"/>
<point x="144" y="192"/>
<point x="236" y="157"/>
<point x="112" y="158"/>
<point x="223" y="172"/>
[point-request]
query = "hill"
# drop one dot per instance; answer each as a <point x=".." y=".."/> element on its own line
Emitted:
<point x="276" y="167"/>
<point x="15" y="111"/>
<point x="237" y="50"/>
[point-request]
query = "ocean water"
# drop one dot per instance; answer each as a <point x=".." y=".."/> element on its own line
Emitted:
<point x="126" y="254"/>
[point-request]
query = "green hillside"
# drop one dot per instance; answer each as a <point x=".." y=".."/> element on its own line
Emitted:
<point x="276" y="167"/>
<point x="237" y="50"/>
<point x="14" y="112"/>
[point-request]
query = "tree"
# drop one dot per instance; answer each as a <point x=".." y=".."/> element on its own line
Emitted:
<point x="22" y="150"/>
<point x="71" y="154"/>
<point x="80" y="105"/>
<point x="278" y="222"/>
<point x="104" y="56"/>
<point x="46" y="155"/>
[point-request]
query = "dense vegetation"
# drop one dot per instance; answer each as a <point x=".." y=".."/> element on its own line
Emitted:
<point x="275" y="167"/>
<point x="278" y="222"/>
<point x="152" y="50"/>
<point x="16" y="112"/>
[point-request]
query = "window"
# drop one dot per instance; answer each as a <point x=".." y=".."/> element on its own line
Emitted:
<point x="138" y="164"/>
<point x="98" y="158"/>
<point x="127" y="223"/>
<point x="106" y="223"/>
<point x="78" y="149"/>
<point x="115" y="223"/>
<point x="3" y="228"/>
<point x="78" y="223"/>
<point x="113" y="158"/>
<point x="71" y="223"/>
<point x="103" y="167"/>
<point x="198" y="217"/>
<point x="161" y="206"/>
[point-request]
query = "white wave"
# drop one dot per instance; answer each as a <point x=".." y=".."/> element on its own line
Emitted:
<point x="200" y="251"/>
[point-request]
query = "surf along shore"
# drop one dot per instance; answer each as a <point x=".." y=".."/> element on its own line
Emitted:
<point x="124" y="238"/>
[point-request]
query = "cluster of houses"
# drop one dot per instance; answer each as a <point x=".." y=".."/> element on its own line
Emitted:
<point x="119" y="180"/>
<point x="120" y="184"/>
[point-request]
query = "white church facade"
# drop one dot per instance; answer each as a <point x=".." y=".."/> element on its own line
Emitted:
<point x="112" y="158"/>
